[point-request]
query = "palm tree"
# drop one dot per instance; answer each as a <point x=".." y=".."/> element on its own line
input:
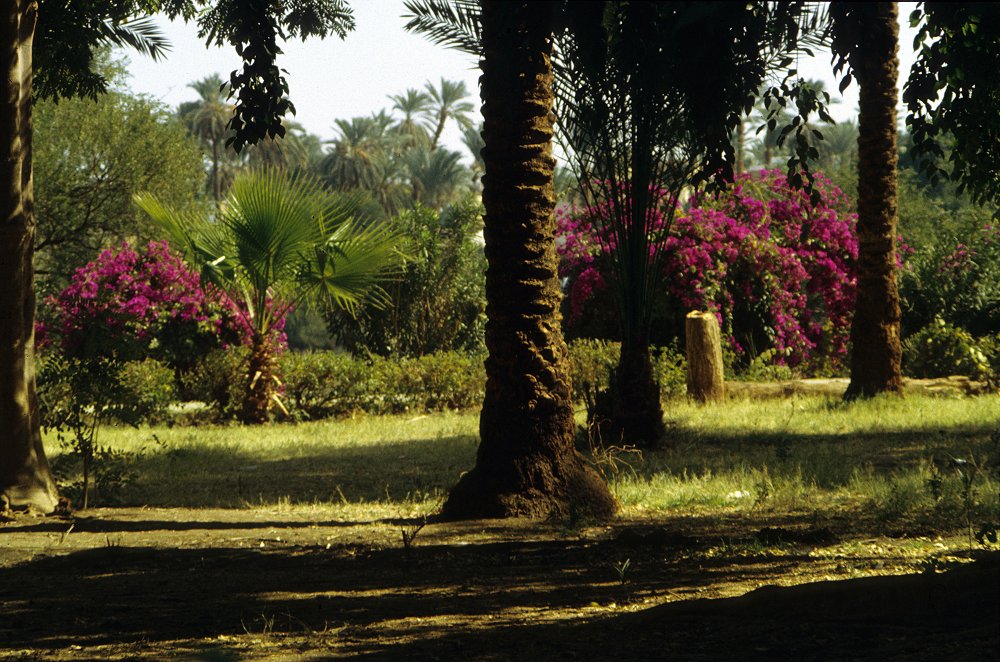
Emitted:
<point x="289" y="152"/>
<point x="413" y="105"/>
<point x="472" y="138"/>
<point x="865" y="37"/>
<point x="353" y="161"/>
<point x="448" y="102"/>
<point x="526" y="463"/>
<point x="436" y="176"/>
<point x="207" y="119"/>
<point x="277" y="242"/>
<point x="839" y="145"/>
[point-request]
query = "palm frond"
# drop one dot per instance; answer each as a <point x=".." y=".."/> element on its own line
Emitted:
<point x="140" y="34"/>
<point x="453" y="24"/>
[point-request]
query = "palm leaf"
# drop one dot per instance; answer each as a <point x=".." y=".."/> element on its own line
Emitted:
<point x="452" y="24"/>
<point x="140" y="34"/>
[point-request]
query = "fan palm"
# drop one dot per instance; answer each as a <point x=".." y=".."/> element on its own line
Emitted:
<point x="277" y="242"/>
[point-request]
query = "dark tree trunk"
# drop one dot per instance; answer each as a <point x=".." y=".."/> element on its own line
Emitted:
<point x="875" y="347"/>
<point x="629" y="412"/>
<point x="527" y="464"/>
<point x="25" y="478"/>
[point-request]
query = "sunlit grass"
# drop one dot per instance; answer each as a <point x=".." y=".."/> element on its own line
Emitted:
<point x="918" y="459"/>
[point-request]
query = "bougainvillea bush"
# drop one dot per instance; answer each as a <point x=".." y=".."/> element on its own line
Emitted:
<point x="131" y="304"/>
<point x="777" y="270"/>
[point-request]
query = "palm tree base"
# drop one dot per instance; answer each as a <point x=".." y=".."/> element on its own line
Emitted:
<point x="535" y="487"/>
<point x="629" y="412"/>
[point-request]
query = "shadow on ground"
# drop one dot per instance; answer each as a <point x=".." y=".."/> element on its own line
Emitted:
<point x="486" y="601"/>
<point x="206" y="476"/>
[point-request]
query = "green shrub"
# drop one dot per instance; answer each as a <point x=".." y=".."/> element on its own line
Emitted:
<point x="219" y="380"/>
<point x="942" y="350"/>
<point x="324" y="384"/>
<point x="150" y="385"/>
<point x="592" y="360"/>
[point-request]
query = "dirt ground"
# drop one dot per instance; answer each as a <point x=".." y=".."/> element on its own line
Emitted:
<point x="303" y="583"/>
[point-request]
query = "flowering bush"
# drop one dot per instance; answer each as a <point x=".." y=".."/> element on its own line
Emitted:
<point x="778" y="271"/>
<point x="129" y="305"/>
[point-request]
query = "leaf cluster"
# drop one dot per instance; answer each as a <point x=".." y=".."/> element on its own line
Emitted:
<point x="952" y="91"/>
<point x="69" y="32"/>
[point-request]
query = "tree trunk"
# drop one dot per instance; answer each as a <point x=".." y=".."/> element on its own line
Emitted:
<point x="740" y="146"/>
<point x="260" y="384"/>
<point x="25" y="478"/>
<point x="637" y="414"/>
<point x="705" y="375"/>
<point x="875" y="348"/>
<point x="527" y="464"/>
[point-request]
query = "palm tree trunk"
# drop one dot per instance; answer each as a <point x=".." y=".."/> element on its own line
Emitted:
<point x="25" y="478"/>
<point x="526" y="464"/>
<point x="876" y="352"/>
<point x="260" y="387"/>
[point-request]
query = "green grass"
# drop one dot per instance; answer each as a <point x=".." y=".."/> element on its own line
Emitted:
<point x="888" y="459"/>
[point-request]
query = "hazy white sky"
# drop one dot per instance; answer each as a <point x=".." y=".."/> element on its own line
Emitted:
<point x="342" y="79"/>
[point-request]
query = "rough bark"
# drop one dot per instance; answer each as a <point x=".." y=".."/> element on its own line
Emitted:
<point x="260" y="381"/>
<point x="875" y="347"/>
<point x="25" y="478"/>
<point x="705" y="377"/>
<point x="526" y="464"/>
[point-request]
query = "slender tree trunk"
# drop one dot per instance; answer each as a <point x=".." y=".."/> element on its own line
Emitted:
<point x="527" y="464"/>
<point x="216" y="179"/>
<point x="740" y="146"/>
<point x="875" y="348"/>
<point x="25" y="478"/>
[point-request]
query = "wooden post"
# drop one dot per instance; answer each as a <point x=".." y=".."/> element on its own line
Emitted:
<point x="705" y="380"/>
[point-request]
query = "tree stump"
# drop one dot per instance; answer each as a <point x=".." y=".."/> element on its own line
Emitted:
<point x="705" y="380"/>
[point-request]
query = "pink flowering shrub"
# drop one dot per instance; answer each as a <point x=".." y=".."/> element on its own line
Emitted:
<point x="130" y="304"/>
<point x="778" y="271"/>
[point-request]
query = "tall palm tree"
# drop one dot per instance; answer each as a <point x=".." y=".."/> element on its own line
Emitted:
<point x="526" y="463"/>
<point x="448" y="103"/>
<point x="413" y="105"/>
<point x="865" y="38"/>
<point x="207" y="119"/>
<point x="277" y="242"/>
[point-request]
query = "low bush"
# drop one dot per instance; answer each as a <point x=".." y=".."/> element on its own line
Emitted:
<point x="323" y="384"/>
<point x="326" y="384"/>
<point x="942" y="350"/>
<point x="592" y="360"/>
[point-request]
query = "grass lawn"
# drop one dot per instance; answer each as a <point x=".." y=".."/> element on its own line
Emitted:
<point x="920" y="458"/>
<point x="816" y="530"/>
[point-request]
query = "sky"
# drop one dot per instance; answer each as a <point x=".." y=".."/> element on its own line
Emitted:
<point x="334" y="79"/>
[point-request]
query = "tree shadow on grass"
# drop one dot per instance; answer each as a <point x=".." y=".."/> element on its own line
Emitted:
<point x="207" y="476"/>
<point x="488" y="601"/>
